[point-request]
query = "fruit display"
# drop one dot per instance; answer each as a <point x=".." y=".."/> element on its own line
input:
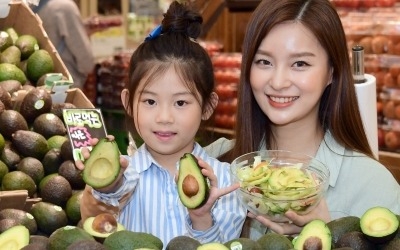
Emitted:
<point x="377" y="228"/>
<point x="274" y="181"/>
<point x="227" y="74"/>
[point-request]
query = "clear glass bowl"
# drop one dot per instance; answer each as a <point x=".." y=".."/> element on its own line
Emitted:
<point x="275" y="181"/>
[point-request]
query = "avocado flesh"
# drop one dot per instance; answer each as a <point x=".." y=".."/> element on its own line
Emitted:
<point x="193" y="189"/>
<point x="102" y="167"/>
<point x="379" y="224"/>
<point x="14" y="238"/>
<point x="314" y="235"/>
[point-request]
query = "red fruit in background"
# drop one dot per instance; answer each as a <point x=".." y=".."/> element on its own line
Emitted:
<point x="381" y="138"/>
<point x="384" y="3"/>
<point x="392" y="140"/>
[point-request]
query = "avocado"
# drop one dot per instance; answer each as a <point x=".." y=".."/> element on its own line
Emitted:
<point x="56" y="141"/>
<point x="52" y="161"/>
<point x="39" y="240"/>
<point x="379" y="224"/>
<point x="101" y="226"/>
<point x="27" y="44"/>
<point x="66" y="150"/>
<point x="272" y="240"/>
<point x="12" y="33"/>
<point x="5" y="97"/>
<point x="5" y="40"/>
<point x="72" y="208"/>
<point x="128" y="240"/>
<point x="3" y="170"/>
<point x="245" y="243"/>
<point x="38" y="64"/>
<point x="193" y="187"/>
<point x="394" y="244"/>
<point x="12" y="87"/>
<point x="36" y="102"/>
<point x="32" y="167"/>
<point x="17" y="180"/>
<point x="55" y="189"/>
<point x="57" y="108"/>
<point x="314" y="235"/>
<point x="9" y="71"/>
<point x="356" y="240"/>
<point x="48" y="125"/>
<point x="11" y="121"/>
<point x="102" y="167"/>
<point x="7" y="223"/>
<point x="10" y="156"/>
<point x="30" y="144"/>
<point x="74" y="175"/>
<point x="86" y="245"/>
<point x="48" y="216"/>
<point x="213" y="246"/>
<point x="11" y="55"/>
<point x="65" y="236"/>
<point x="21" y="217"/>
<point x="183" y="242"/>
<point x="14" y="238"/>
<point x="342" y="225"/>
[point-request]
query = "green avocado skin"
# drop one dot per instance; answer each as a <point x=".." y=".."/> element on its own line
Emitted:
<point x="190" y="169"/>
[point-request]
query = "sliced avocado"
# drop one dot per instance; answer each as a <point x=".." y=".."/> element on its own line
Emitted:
<point x="314" y="235"/>
<point x="342" y="225"/>
<point x="193" y="187"/>
<point x="355" y="240"/>
<point x="213" y="246"/>
<point x="128" y="240"/>
<point x="65" y="236"/>
<point x="102" y="226"/>
<point x="379" y="224"/>
<point x="14" y="238"/>
<point x="272" y="240"/>
<point x="244" y="243"/>
<point x="102" y="167"/>
<point x="183" y="242"/>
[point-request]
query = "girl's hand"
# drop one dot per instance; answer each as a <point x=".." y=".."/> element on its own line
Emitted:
<point x="123" y="162"/>
<point x="201" y="217"/>
<point x="296" y="221"/>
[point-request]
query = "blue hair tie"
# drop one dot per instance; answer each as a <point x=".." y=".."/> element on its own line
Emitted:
<point x="154" y="33"/>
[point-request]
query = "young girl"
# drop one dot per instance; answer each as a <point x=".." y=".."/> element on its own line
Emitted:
<point x="297" y="93"/>
<point x="169" y="94"/>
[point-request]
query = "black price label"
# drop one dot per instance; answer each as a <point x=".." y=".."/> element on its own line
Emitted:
<point x="82" y="126"/>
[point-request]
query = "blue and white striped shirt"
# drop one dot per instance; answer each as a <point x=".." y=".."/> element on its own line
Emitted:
<point x="156" y="208"/>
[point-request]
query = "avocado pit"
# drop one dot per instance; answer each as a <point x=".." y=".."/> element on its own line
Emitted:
<point x="313" y="243"/>
<point x="190" y="186"/>
<point x="105" y="223"/>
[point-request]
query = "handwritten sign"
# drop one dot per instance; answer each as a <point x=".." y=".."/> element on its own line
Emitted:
<point x="82" y="126"/>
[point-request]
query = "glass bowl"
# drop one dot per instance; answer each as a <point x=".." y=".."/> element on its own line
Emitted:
<point x="275" y="181"/>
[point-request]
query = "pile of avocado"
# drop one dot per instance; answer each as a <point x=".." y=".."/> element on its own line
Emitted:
<point x="22" y="61"/>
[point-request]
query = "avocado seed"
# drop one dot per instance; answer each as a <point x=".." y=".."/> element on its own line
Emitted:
<point x="313" y="243"/>
<point x="190" y="186"/>
<point x="105" y="223"/>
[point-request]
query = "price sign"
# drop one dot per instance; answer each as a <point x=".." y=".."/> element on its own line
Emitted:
<point x="83" y="125"/>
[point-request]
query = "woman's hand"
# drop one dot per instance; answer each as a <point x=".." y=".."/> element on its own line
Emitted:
<point x="201" y="217"/>
<point x="123" y="162"/>
<point x="296" y="221"/>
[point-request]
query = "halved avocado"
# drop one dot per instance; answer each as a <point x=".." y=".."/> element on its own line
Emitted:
<point x="314" y="235"/>
<point x="102" y="226"/>
<point x="379" y="224"/>
<point x="193" y="188"/>
<point x="102" y="167"/>
<point x="14" y="238"/>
